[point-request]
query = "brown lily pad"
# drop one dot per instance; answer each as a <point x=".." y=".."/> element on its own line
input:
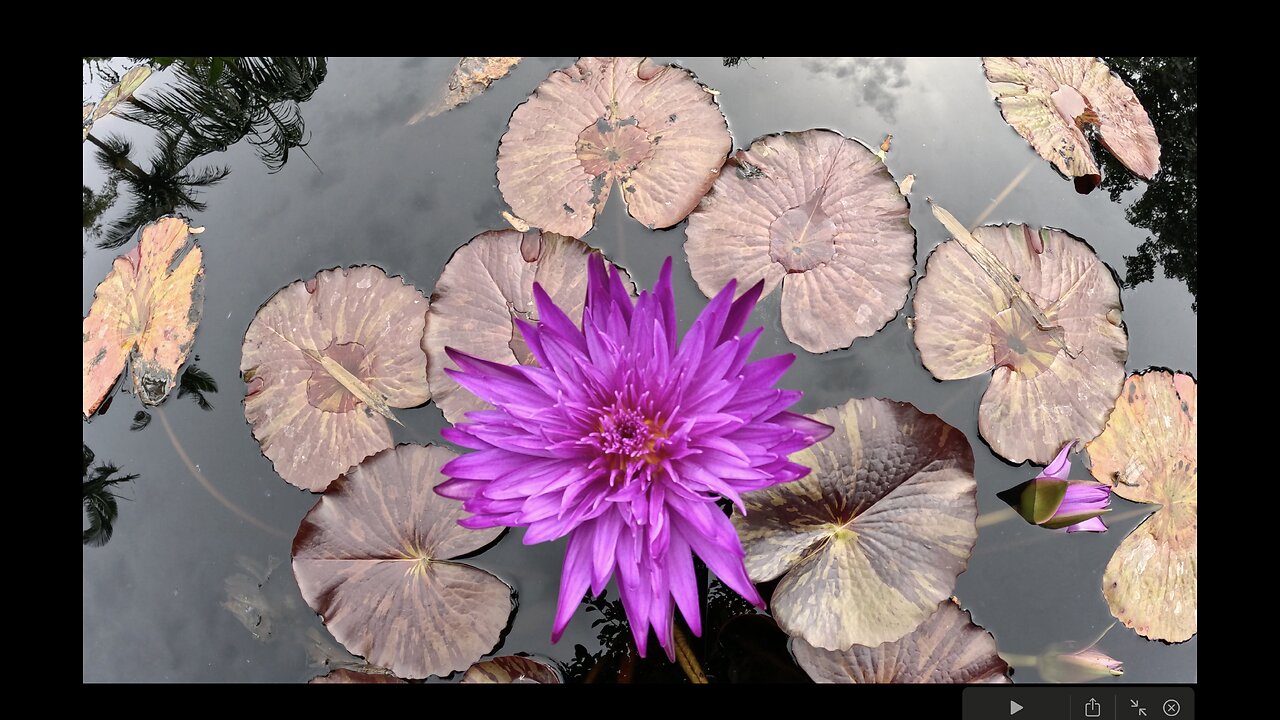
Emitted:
<point x="513" y="669"/>
<point x="1148" y="455"/>
<point x="372" y="558"/>
<point x="485" y="287"/>
<point x="145" y="313"/>
<point x="652" y="128"/>
<point x="1049" y="100"/>
<point x="114" y="95"/>
<point x="873" y="539"/>
<point x="1052" y="384"/>
<point x="946" y="648"/>
<point x="324" y="361"/>
<point x="472" y="76"/>
<point x="343" y="676"/>
<point x="819" y="213"/>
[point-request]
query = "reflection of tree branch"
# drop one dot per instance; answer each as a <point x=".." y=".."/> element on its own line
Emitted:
<point x="195" y="473"/>
<point x="1167" y="88"/>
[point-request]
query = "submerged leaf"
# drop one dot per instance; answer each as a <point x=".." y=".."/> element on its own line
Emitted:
<point x="819" y="213"/>
<point x="324" y="361"/>
<point x="1049" y="100"/>
<point x="472" y="76"/>
<point x="946" y="648"/>
<point x="1148" y="454"/>
<point x="372" y="559"/>
<point x="649" y="127"/>
<point x="347" y="677"/>
<point x="485" y="287"/>
<point x="1055" y="379"/>
<point x="873" y="539"/>
<point x="145" y="313"/>
<point x="512" y="669"/>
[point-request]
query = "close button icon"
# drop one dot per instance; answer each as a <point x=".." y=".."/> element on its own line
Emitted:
<point x="1172" y="708"/>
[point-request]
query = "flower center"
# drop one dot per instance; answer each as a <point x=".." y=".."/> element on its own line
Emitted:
<point x="626" y="437"/>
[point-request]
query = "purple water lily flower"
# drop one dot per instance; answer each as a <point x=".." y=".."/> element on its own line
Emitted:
<point x="1052" y="501"/>
<point x="623" y="438"/>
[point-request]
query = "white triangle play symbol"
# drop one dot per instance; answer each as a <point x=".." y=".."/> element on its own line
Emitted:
<point x="1014" y="707"/>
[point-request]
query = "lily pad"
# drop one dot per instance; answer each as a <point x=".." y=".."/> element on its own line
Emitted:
<point x="819" y="213"/>
<point x="114" y="95"/>
<point x="1148" y="455"/>
<point x="652" y="128"/>
<point x="511" y="669"/>
<point x="472" y="76"/>
<point x="873" y="539"/>
<point x="1052" y="384"/>
<point x="1049" y="100"/>
<point x="484" y="288"/>
<point x="372" y="558"/>
<point x="145" y="313"/>
<point x="324" y="361"/>
<point x="946" y="648"/>
<point x="343" y="676"/>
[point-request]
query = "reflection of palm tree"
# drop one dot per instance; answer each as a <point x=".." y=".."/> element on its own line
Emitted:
<point x="1167" y="89"/>
<point x="99" y="499"/>
<point x="196" y="382"/>
<point x="166" y="188"/>
<point x="212" y="106"/>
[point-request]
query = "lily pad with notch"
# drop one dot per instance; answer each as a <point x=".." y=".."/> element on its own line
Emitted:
<point x="653" y="129"/>
<point x="821" y="215"/>
<point x="372" y="558"/>
<point x="324" y="361"/>
<point x="1050" y="100"/>
<point x="1044" y="311"/>
<point x="1148" y="454"/>
<point x="873" y="539"/>
<point x="947" y="648"/>
<point x="484" y="288"/>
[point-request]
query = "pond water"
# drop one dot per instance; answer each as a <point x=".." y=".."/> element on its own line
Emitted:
<point x="161" y="600"/>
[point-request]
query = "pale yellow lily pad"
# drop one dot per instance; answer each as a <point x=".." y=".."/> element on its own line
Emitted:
<point x="1148" y="454"/>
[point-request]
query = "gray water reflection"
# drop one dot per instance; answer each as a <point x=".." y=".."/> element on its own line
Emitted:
<point x="404" y="198"/>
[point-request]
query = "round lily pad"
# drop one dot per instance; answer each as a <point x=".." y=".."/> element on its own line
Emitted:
<point x="1052" y="384"/>
<point x="652" y="128"/>
<point x="1148" y="454"/>
<point x="372" y="558"/>
<point x="1049" y="100"/>
<point x="144" y="313"/>
<point x="513" y="669"/>
<point x="485" y="287"/>
<point x="873" y="539"/>
<point x="946" y="648"/>
<point x="324" y="361"/>
<point x="819" y="213"/>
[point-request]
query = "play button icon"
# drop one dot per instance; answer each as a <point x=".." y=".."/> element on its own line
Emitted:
<point x="1014" y="707"/>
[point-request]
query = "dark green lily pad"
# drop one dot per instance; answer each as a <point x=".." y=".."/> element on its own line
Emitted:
<point x="873" y="539"/>
<point x="372" y="558"/>
<point x="946" y="648"/>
